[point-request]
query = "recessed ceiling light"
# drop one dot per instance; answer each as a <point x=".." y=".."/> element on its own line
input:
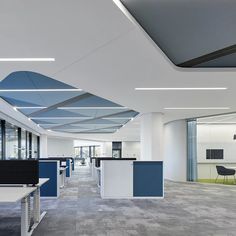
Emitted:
<point x="60" y="118"/>
<point x="40" y="90"/>
<point x="46" y="59"/>
<point x="49" y="130"/>
<point x="85" y="108"/>
<point x="159" y="89"/>
<point x="197" y="108"/>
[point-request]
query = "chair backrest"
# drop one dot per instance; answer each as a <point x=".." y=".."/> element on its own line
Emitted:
<point x="221" y="170"/>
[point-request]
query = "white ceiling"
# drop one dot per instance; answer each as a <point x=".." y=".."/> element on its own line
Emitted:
<point x="97" y="48"/>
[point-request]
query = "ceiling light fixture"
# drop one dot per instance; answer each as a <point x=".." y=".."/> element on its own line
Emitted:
<point x="117" y="118"/>
<point x="215" y="122"/>
<point x="48" y="124"/>
<point x="197" y="108"/>
<point x="25" y="59"/>
<point x="164" y="89"/>
<point x="30" y="107"/>
<point x="85" y="108"/>
<point x="40" y="90"/>
<point x="60" y="118"/>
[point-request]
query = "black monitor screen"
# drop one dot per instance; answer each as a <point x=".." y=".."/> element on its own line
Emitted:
<point x="215" y="154"/>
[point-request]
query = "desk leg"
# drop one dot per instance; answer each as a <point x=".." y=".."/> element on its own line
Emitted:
<point x="37" y="205"/>
<point x="64" y="176"/>
<point x="25" y="216"/>
<point x="36" y="211"/>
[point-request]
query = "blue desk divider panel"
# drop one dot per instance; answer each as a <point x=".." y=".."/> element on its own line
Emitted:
<point x="148" y="179"/>
<point x="49" y="169"/>
<point x="68" y="169"/>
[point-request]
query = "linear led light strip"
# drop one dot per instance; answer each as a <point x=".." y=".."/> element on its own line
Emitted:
<point x="48" y="124"/>
<point x="85" y="108"/>
<point x="40" y="90"/>
<point x="30" y="107"/>
<point x="59" y="118"/>
<point x="196" y="108"/>
<point x="117" y="118"/>
<point x="159" y="89"/>
<point x="74" y="108"/>
<point x="215" y="122"/>
<point x="27" y="59"/>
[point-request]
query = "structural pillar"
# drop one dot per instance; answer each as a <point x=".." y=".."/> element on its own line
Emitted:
<point x="152" y="136"/>
<point x="43" y="146"/>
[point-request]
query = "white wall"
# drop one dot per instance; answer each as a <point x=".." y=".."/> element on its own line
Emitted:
<point x="131" y="149"/>
<point x="213" y="136"/>
<point x="106" y="149"/>
<point x="216" y="137"/>
<point x="60" y="147"/>
<point x="80" y="142"/>
<point x="175" y="150"/>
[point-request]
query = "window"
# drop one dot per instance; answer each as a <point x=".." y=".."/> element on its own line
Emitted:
<point x="34" y="146"/>
<point x="11" y="142"/>
<point x="23" y="144"/>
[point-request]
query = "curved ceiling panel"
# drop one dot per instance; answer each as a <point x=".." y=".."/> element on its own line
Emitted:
<point x="191" y="32"/>
<point x="60" y="107"/>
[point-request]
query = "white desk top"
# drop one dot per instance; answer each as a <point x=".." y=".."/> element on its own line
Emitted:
<point x="15" y="194"/>
<point x="42" y="181"/>
<point x="63" y="168"/>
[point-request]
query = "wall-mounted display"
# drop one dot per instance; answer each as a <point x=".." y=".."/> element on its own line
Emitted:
<point x="215" y="154"/>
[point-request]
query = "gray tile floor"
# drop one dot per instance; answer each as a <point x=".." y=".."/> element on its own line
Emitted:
<point x="187" y="210"/>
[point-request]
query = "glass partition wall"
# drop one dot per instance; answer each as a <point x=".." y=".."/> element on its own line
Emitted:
<point x="216" y="149"/>
<point x="17" y="143"/>
<point x="11" y="141"/>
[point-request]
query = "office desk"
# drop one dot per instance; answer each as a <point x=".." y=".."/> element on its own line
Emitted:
<point x="63" y="176"/>
<point x="14" y="194"/>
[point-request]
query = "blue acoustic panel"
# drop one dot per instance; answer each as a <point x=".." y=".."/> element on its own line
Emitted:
<point x="148" y="179"/>
<point x="48" y="170"/>
<point x="68" y="169"/>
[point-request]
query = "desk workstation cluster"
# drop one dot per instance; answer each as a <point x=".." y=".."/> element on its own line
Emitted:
<point x="58" y="170"/>
<point x="19" y="182"/>
<point x="127" y="177"/>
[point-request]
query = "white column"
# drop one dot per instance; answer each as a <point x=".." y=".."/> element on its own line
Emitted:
<point x="152" y="136"/>
<point x="43" y="146"/>
<point x="175" y="150"/>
